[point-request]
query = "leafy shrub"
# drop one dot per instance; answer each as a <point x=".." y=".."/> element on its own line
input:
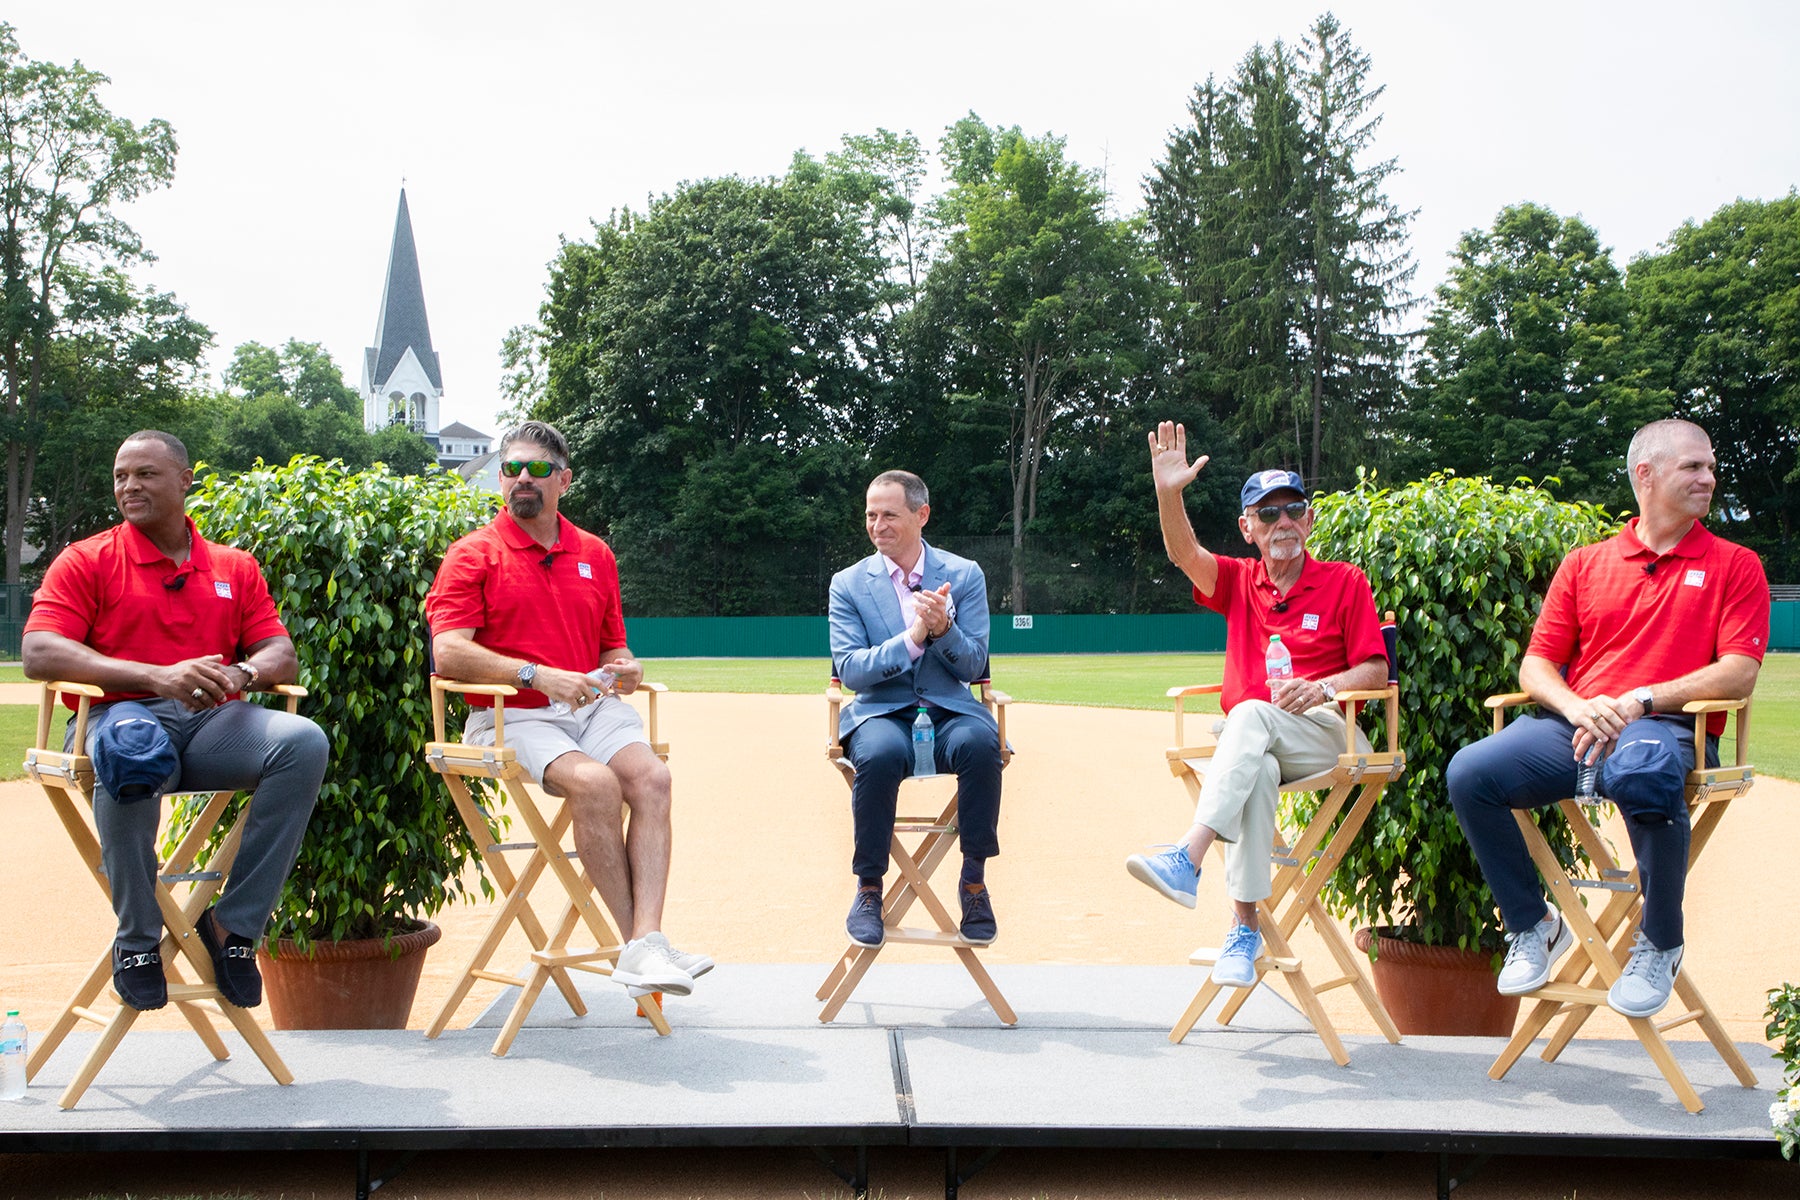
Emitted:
<point x="349" y="558"/>
<point x="1464" y="563"/>
<point x="1784" y="1030"/>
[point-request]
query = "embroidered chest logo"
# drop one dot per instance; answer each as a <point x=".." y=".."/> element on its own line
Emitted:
<point x="583" y="570"/>
<point x="222" y="588"/>
<point x="1309" y="621"/>
<point x="1694" y="578"/>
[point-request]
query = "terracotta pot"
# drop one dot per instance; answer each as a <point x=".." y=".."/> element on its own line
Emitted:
<point x="1439" y="989"/>
<point x="346" y="985"/>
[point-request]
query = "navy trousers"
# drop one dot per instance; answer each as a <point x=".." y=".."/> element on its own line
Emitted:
<point x="881" y="750"/>
<point x="1531" y="764"/>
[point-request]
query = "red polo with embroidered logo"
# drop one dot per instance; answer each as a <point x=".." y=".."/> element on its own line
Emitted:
<point x="558" y="607"/>
<point x="118" y="594"/>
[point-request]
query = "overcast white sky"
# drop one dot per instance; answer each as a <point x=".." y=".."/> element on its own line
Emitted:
<point x="516" y="123"/>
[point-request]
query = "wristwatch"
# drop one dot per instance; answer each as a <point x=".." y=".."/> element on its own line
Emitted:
<point x="527" y="673"/>
<point x="1642" y="696"/>
<point x="251" y="674"/>
<point x="1330" y="692"/>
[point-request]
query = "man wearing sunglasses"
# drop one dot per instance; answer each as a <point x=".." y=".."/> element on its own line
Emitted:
<point x="1273" y="729"/>
<point x="532" y="600"/>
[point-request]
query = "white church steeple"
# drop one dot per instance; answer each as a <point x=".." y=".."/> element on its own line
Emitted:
<point x="402" y="382"/>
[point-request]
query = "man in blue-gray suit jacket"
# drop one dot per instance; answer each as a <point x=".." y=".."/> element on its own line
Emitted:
<point x="909" y="628"/>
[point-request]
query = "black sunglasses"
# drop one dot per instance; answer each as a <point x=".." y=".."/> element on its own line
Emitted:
<point x="1268" y="514"/>
<point x="537" y="468"/>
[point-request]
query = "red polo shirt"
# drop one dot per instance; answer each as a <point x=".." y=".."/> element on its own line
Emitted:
<point x="558" y="607"/>
<point x="1618" y="625"/>
<point x="1329" y="624"/>
<point x="115" y="592"/>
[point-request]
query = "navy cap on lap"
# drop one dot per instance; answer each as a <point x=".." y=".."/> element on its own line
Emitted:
<point x="133" y="756"/>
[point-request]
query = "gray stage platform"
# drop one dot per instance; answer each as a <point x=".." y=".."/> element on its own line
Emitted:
<point x="916" y="1059"/>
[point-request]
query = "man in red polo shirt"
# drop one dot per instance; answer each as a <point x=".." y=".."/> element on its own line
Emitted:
<point x="1632" y="628"/>
<point x="532" y="600"/>
<point x="176" y="628"/>
<point x="1274" y="729"/>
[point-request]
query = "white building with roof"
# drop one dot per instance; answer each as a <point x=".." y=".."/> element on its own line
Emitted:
<point x="402" y="382"/>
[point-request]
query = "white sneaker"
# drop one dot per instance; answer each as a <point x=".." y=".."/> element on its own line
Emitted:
<point x="647" y="964"/>
<point x="1532" y="955"/>
<point x="695" y="965"/>
<point x="1644" y="987"/>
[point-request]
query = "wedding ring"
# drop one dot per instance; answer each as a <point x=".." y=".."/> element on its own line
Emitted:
<point x="198" y="693"/>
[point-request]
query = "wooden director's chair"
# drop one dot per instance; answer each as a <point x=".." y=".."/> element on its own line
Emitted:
<point x="552" y="957"/>
<point x="916" y="864"/>
<point x="68" y="779"/>
<point x="1604" y="934"/>
<point x="1304" y="860"/>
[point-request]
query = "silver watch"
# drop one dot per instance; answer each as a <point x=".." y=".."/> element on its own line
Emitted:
<point x="1330" y="692"/>
<point x="527" y="673"/>
<point x="1643" y="697"/>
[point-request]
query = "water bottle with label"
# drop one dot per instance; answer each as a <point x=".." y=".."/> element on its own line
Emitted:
<point x="924" y="745"/>
<point x="1279" y="662"/>
<point x="14" y="1043"/>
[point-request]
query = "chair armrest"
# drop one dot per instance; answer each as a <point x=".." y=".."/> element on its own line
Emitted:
<point x="835" y="695"/>
<point x="1364" y="694"/>
<point x="293" y="692"/>
<point x="1713" y="706"/>
<point x="1178" y="694"/>
<point x="1500" y="703"/>
<point x="86" y="694"/>
<point x="499" y="691"/>
<point x="1740" y="727"/>
<point x="651" y="692"/>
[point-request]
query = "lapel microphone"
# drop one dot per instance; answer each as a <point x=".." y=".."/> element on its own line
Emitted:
<point x="1650" y="570"/>
<point x="549" y="559"/>
<point x="175" y="583"/>
<point x="1280" y="606"/>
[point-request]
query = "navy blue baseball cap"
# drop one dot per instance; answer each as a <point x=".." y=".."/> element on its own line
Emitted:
<point x="1646" y="776"/>
<point x="133" y="756"/>
<point x="1264" y="482"/>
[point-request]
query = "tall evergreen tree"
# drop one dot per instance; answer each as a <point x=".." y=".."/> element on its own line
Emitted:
<point x="1288" y="255"/>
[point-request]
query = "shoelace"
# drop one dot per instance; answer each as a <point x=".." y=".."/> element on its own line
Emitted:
<point x="1646" y="959"/>
<point x="1242" y="940"/>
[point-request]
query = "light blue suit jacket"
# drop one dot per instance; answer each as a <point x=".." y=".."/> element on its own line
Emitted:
<point x="868" y="641"/>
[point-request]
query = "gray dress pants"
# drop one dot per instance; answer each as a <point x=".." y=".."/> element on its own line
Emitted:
<point x="234" y="746"/>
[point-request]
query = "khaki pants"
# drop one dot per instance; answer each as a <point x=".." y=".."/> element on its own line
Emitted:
<point x="1259" y="746"/>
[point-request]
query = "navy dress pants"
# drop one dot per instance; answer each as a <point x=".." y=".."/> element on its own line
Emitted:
<point x="881" y="750"/>
<point x="1531" y="764"/>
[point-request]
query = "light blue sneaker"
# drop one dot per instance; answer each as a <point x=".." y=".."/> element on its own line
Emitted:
<point x="1171" y="873"/>
<point x="1237" y="961"/>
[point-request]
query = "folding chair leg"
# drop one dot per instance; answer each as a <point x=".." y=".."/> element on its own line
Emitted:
<point x="111" y="1033"/>
<point x="45" y="1046"/>
<point x="1301" y="986"/>
<point x="849" y="973"/>
<point x="1689" y="995"/>
<point x="1195" y="1010"/>
<point x="985" y="982"/>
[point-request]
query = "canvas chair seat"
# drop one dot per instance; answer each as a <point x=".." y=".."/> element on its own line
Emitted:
<point x="547" y="823"/>
<point x="1304" y="861"/>
<point x="1606" y="928"/>
<point x="937" y="837"/>
<point x="67" y="778"/>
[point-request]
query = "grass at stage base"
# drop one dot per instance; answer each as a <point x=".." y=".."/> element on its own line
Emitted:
<point x="1102" y="680"/>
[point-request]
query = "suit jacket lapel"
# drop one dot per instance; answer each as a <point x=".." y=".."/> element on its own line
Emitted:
<point x="881" y="594"/>
<point x="931" y="572"/>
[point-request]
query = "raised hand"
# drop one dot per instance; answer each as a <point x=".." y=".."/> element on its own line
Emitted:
<point x="1169" y="466"/>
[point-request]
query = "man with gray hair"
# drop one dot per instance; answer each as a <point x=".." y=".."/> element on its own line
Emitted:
<point x="909" y="634"/>
<point x="1632" y="628"/>
<point x="532" y="600"/>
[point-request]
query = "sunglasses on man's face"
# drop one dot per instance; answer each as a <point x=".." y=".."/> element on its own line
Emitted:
<point x="537" y="468"/>
<point x="1268" y="514"/>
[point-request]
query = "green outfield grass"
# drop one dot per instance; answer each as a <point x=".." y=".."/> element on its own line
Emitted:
<point x="1102" y="680"/>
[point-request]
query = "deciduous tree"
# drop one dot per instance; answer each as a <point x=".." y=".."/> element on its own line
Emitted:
<point x="66" y="163"/>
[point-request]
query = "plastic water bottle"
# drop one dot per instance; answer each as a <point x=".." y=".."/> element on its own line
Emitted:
<point x="1279" y="662"/>
<point x="924" y="744"/>
<point x="602" y="679"/>
<point x="14" y="1042"/>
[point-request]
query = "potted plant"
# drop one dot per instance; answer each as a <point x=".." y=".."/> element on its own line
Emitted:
<point x="349" y="557"/>
<point x="1465" y="564"/>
